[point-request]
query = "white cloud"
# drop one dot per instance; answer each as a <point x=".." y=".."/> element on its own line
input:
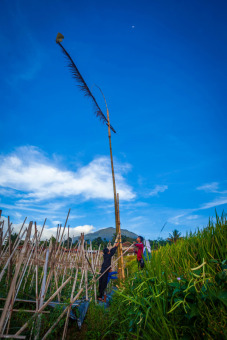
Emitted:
<point x="214" y="203"/>
<point x="176" y="219"/>
<point x="209" y="187"/>
<point x="48" y="231"/>
<point x="56" y="222"/>
<point x="137" y="218"/>
<point x="157" y="189"/>
<point x="27" y="170"/>
<point x="188" y="214"/>
<point x="212" y="187"/>
<point x="192" y="217"/>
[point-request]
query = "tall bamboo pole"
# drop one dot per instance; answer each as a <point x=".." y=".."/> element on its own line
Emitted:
<point x="112" y="168"/>
<point x="83" y="86"/>
<point x="121" y="260"/>
<point x="117" y="215"/>
<point x="116" y="199"/>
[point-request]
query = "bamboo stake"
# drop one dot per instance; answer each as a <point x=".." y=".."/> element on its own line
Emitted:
<point x="36" y="269"/>
<point x="62" y="314"/>
<point x="13" y="283"/>
<point x="69" y="310"/>
<point x="9" y="259"/>
<point x="43" y="306"/>
<point x="18" y="236"/>
<point x="119" y="250"/>
<point x="15" y="293"/>
<point x="29" y="311"/>
<point x="13" y="336"/>
<point x="42" y="230"/>
<point x="63" y="232"/>
<point x="42" y="291"/>
<point x="10" y="251"/>
<point x="121" y="260"/>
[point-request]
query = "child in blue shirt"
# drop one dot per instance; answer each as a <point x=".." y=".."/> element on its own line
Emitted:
<point x="110" y="276"/>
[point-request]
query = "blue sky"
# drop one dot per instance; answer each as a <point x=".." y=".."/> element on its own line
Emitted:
<point x="162" y="68"/>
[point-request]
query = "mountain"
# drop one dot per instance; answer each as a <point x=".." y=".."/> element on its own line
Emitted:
<point x="106" y="233"/>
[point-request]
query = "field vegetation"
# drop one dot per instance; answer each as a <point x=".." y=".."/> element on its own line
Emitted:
<point x="181" y="294"/>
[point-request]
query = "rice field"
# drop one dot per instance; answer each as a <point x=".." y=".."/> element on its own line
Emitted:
<point x="181" y="294"/>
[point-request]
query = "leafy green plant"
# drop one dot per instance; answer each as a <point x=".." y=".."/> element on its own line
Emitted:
<point x="180" y="294"/>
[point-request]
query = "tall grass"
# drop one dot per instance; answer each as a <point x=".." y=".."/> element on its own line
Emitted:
<point x="181" y="293"/>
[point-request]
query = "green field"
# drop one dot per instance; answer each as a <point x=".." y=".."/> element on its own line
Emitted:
<point x="181" y="294"/>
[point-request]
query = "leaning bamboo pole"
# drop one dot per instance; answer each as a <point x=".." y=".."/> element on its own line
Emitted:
<point x="116" y="199"/>
<point x="121" y="260"/>
<point x="84" y="87"/>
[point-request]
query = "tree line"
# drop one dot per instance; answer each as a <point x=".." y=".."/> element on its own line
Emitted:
<point x="155" y="244"/>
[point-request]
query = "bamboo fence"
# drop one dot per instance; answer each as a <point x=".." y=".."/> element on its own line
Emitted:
<point x="29" y="266"/>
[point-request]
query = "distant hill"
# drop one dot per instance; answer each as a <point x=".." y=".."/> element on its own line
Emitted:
<point x="106" y="233"/>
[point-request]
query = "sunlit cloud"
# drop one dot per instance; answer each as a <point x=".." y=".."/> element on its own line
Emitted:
<point x="29" y="173"/>
<point x="212" y="187"/>
<point x="158" y="189"/>
<point x="215" y="203"/>
<point x="48" y="232"/>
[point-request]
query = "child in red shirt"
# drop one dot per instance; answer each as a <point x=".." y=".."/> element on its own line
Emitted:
<point x="139" y="252"/>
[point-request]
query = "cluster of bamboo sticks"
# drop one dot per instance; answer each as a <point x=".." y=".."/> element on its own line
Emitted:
<point x="29" y="265"/>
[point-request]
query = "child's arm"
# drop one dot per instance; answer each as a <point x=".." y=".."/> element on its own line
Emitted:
<point x="114" y="277"/>
<point x="113" y="251"/>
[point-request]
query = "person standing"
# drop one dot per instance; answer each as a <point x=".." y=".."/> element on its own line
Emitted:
<point x="139" y="251"/>
<point x="107" y="255"/>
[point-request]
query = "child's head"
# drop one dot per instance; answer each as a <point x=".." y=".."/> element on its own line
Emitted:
<point x="106" y="251"/>
<point x="139" y="239"/>
<point x="110" y="270"/>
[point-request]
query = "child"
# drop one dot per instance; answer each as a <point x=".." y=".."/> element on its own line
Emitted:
<point x="107" y="254"/>
<point x="111" y="277"/>
<point x="139" y="252"/>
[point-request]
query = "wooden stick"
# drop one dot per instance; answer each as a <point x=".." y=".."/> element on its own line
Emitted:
<point x="42" y="292"/>
<point x="13" y="336"/>
<point x="63" y="232"/>
<point x="43" y="306"/>
<point x="42" y="230"/>
<point x="69" y="310"/>
<point x="62" y="314"/>
<point x="7" y="262"/>
<point x="13" y="283"/>
<point x="18" y="287"/>
<point x="28" y="311"/>
<point x="121" y="260"/>
<point x="36" y="270"/>
<point x="20" y="231"/>
<point x="10" y="251"/>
